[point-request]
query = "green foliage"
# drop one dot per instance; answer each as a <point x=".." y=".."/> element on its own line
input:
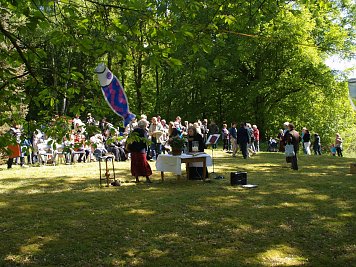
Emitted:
<point x="5" y="140"/>
<point x="221" y="60"/>
<point x="176" y="142"/>
<point x="58" y="129"/>
<point x="134" y="137"/>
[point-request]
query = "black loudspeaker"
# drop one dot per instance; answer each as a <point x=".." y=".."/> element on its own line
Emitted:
<point x="238" y="178"/>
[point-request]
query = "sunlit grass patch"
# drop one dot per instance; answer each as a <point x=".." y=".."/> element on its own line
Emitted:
<point x="60" y="216"/>
<point x="282" y="255"/>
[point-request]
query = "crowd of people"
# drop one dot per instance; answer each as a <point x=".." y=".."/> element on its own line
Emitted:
<point x="77" y="145"/>
<point x="290" y="137"/>
<point x="82" y="147"/>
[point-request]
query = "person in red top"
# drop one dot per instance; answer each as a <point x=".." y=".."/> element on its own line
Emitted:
<point x="14" y="149"/>
<point x="256" y="134"/>
<point x="78" y="140"/>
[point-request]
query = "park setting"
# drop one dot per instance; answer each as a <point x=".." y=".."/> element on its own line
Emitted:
<point x="52" y="217"/>
<point x="177" y="133"/>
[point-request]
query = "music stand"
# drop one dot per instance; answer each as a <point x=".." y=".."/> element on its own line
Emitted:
<point x="212" y="140"/>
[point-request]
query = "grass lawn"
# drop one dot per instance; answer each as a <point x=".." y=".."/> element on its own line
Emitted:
<point x="59" y="216"/>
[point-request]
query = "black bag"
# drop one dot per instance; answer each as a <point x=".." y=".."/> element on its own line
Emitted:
<point x="116" y="183"/>
<point x="196" y="173"/>
<point x="238" y="178"/>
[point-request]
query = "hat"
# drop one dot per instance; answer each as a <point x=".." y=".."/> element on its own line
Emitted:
<point x="104" y="74"/>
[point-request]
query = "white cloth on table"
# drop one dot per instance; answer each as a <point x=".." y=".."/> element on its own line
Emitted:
<point x="169" y="163"/>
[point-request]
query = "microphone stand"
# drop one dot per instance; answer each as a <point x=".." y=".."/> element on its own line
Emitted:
<point x="212" y="150"/>
<point x="212" y="159"/>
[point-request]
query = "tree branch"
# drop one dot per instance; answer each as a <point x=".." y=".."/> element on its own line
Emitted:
<point x="9" y="36"/>
<point x="116" y="6"/>
<point x="13" y="78"/>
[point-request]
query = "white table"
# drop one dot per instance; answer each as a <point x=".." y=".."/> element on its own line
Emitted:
<point x="169" y="163"/>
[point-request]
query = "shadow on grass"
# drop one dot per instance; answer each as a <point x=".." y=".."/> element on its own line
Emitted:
<point x="291" y="219"/>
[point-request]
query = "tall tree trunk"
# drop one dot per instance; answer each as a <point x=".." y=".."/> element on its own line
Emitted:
<point x="157" y="107"/>
<point x="138" y="82"/>
<point x="64" y="107"/>
<point x="55" y="77"/>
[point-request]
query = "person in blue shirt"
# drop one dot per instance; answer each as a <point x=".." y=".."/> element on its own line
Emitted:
<point x="233" y="138"/>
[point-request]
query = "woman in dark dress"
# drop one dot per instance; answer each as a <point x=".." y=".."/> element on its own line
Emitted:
<point x="139" y="164"/>
<point x="195" y="173"/>
<point x="194" y="136"/>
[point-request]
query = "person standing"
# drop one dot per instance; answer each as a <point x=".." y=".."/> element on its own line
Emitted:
<point x="195" y="140"/>
<point x="338" y="145"/>
<point x="15" y="150"/>
<point x="243" y="139"/>
<point x="233" y="138"/>
<point x="204" y="130"/>
<point x="280" y="137"/>
<point x="213" y="129"/>
<point x="90" y="120"/>
<point x="77" y="122"/>
<point x="251" y="140"/>
<point x="155" y="131"/>
<point x="139" y="164"/>
<point x="292" y="137"/>
<point x="225" y="136"/>
<point x="317" y="144"/>
<point x="306" y="141"/>
<point x="256" y="134"/>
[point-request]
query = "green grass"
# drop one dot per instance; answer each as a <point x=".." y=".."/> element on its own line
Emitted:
<point x="59" y="216"/>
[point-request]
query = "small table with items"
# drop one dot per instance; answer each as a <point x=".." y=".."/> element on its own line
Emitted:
<point x="106" y="177"/>
<point x="169" y="163"/>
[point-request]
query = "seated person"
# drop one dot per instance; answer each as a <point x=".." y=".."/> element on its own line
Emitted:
<point x="78" y="139"/>
<point x="45" y="151"/>
<point x="195" y="173"/>
<point x="272" y="145"/>
<point x="98" y="146"/>
<point x="193" y="136"/>
<point x="113" y="146"/>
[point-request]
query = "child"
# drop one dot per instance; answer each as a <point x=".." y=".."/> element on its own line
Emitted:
<point x="333" y="150"/>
